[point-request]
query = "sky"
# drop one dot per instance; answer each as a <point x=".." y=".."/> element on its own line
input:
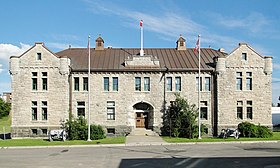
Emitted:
<point x="60" y="23"/>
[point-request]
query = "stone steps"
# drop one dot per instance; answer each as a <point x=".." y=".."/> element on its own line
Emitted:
<point x="143" y="131"/>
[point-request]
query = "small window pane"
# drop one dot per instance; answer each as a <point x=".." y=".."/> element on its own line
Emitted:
<point x="106" y="83"/>
<point x="244" y="56"/>
<point x="178" y="83"/>
<point x="146" y="84"/>
<point x="137" y="83"/>
<point x="39" y="56"/>
<point x="169" y="84"/>
<point x="115" y="84"/>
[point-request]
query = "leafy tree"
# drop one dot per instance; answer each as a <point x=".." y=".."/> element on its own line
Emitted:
<point x="181" y="118"/>
<point x="5" y="108"/>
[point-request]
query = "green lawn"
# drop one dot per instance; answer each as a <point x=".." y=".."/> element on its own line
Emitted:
<point x="42" y="142"/>
<point x="276" y="136"/>
<point x="5" y="122"/>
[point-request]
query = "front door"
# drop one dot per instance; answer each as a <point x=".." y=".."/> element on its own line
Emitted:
<point x="140" y="120"/>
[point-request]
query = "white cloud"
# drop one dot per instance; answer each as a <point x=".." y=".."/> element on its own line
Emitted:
<point x="1" y="68"/>
<point x="7" y="50"/>
<point x="276" y="66"/>
<point x="254" y="22"/>
<point x="62" y="46"/>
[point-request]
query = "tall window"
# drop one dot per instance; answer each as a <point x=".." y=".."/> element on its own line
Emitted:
<point x="137" y="84"/>
<point x="110" y="110"/>
<point x="76" y="83"/>
<point x="244" y="56"/>
<point x="85" y="83"/>
<point x="146" y="84"/>
<point x="106" y="83"/>
<point x="239" y="110"/>
<point x="169" y="84"/>
<point x="239" y="81"/>
<point x="44" y="80"/>
<point x="198" y="83"/>
<point x="81" y="109"/>
<point x="249" y="110"/>
<point x="44" y="110"/>
<point x="203" y="110"/>
<point x="34" y="80"/>
<point x="248" y="80"/>
<point x="39" y="56"/>
<point x="34" y="110"/>
<point x="178" y="83"/>
<point x="207" y="84"/>
<point x="115" y="84"/>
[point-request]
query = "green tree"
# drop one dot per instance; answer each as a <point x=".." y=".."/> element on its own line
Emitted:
<point x="182" y="118"/>
<point x="5" y="108"/>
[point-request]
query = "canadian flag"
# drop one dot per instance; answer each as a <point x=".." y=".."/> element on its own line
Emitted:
<point x="141" y="23"/>
<point x="196" y="46"/>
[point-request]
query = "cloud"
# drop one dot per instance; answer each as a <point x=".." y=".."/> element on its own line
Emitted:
<point x="1" y="68"/>
<point x="276" y="66"/>
<point x="254" y="22"/>
<point x="62" y="46"/>
<point x="7" y="50"/>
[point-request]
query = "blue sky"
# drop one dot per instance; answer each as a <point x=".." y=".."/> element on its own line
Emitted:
<point x="59" y="23"/>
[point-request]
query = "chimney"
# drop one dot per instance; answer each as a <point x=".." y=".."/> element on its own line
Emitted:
<point x="181" y="43"/>
<point x="222" y="50"/>
<point x="99" y="43"/>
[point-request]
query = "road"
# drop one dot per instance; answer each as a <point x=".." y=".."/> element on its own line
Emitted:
<point x="191" y="156"/>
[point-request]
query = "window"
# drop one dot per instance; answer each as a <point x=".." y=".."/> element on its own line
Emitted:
<point x="146" y="84"/>
<point x="44" y="81"/>
<point x="85" y="83"/>
<point x="76" y="83"/>
<point x="239" y="81"/>
<point x="106" y="83"/>
<point x="34" y="131"/>
<point x="39" y="56"/>
<point x="34" y="110"/>
<point x="244" y="56"/>
<point x="248" y="80"/>
<point x="110" y="110"/>
<point x="111" y="131"/>
<point x="239" y="110"/>
<point x="44" y="131"/>
<point x="197" y="83"/>
<point x="203" y="110"/>
<point x="99" y="44"/>
<point x="207" y="84"/>
<point x="178" y="83"/>
<point x="137" y="84"/>
<point x="169" y="84"/>
<point x="44" y="110"/>
<point x="249" y="110"/>
<point x="181" y="43"/>
<point x="34" y="81"/>
<point x="81" y="109"/>
<point x="115" y="84"/>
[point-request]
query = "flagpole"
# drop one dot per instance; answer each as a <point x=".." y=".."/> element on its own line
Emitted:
<point x="199" y="83"/>
<point x="89" y="88"/>
<point x="141" y="38"/>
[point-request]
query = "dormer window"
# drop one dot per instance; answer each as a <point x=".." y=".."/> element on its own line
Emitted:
<point x="181" y="43"/>
<point x="99" y="44"/>
<point x="244" y="57"/>
<point x="39" y="56"/>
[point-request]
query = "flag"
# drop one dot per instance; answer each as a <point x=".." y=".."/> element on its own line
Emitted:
<point x="141" y="23"/>
<point x="196" y="46"/>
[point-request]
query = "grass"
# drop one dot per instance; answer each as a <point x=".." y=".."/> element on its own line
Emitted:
<point x="276" y="136"/>
<point x="43" y="142"/>
<point x="5" y="122"/>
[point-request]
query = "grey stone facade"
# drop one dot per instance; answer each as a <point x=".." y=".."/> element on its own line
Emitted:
<point x="221" y="100"/>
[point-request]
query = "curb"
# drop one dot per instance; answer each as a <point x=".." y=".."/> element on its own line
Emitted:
<point x="134" y="144"/>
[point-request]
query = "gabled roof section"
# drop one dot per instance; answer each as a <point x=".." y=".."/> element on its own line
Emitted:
<point x="248" y="46"/>
<point x="38" y="43"/>
<point x="113" y="59"/>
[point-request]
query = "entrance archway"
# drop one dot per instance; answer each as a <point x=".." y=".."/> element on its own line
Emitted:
<point x="144" y="115"/>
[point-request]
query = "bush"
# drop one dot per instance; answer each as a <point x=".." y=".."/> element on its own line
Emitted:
<point x="77" y="129"/>
<point x="250" y="130"/>
<point x="4" y="108"/>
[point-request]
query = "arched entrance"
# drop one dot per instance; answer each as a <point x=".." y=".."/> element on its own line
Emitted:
<point x="144" y="115"/>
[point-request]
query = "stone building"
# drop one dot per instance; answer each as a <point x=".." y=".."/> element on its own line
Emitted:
<point x="128" y="91"/>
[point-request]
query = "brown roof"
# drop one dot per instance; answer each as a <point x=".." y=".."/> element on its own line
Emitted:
<point x="112" y="59"/>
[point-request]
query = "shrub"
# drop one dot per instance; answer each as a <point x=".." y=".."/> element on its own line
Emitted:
<point x="250" y="130"/>
<point x="77" y="129"/>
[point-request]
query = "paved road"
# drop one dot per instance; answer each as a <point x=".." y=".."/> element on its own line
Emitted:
<point x="195" y="155"/>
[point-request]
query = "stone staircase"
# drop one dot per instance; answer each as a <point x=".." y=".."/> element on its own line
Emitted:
<point x="143" y="131"/>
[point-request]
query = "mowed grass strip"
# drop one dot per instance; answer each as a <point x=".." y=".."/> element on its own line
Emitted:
<point x="44" y="142"/>
<point x="276" y="136"/>
<point x="5" y="123"/>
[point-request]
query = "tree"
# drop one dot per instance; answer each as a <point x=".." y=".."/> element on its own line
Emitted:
<point x="4" y="108"/>
<point x="182" y="118"/>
